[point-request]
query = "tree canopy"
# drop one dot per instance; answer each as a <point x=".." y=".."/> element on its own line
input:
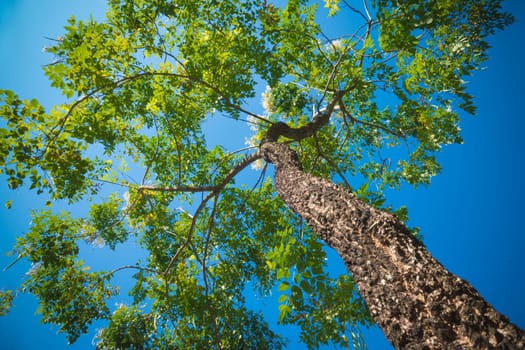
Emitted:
<point x="367" y="103"/>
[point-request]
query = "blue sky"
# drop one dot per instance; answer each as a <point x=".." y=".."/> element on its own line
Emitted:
<point x="471" y="215"/>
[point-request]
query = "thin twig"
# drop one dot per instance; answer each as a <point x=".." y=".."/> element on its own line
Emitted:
<point x="372" y="125"/>
<point x="367" y="11"/>
<point x="332" y="164"/>
<point x="135" y="267"/>
<point x="354" y="9"/>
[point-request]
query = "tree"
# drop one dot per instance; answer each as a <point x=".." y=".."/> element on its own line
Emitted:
<point x="368" y="106"/>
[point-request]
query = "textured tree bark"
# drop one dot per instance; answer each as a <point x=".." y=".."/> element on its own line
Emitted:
<point x="412" y="297"/>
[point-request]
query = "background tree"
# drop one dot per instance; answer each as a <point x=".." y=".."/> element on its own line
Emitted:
<point x="142" y="83"/>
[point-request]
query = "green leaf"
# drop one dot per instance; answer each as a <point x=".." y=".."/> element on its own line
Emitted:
<point x="6" y="301"/>
<point x="284" y="286"/>
<point x="284" y="311"/>
<point x="332" y="5"/>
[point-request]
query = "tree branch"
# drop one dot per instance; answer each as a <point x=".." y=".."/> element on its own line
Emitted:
<point x="186" y="189"/>
<point x="135" y="267"/>
<point x="372" y="125"/>
<point x="319" y="120"/>
<point x="332" y="163"/>
<point x="215" y="190"/>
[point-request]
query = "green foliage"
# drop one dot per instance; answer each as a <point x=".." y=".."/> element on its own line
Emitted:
<point x="316" y="302"/>
<point x="69" y="295"/>
<point x="129" y="145"/>
<point x="106" y="222"/>
<point x="288" y="99"/>
<point x="332" y="5"/>
<point x="128" y="328"/>
<point x="6" y="299"/>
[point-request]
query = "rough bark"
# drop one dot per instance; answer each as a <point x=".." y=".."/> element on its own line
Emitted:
<point x="412" y="297"/>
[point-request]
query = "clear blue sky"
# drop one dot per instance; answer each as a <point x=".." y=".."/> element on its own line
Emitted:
<point x="471" y="216"/>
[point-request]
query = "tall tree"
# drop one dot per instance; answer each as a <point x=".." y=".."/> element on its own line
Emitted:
<point x="366" y="106"/>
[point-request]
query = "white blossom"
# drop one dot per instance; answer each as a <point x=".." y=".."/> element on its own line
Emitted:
<point x="98" y="242"/>
<point x="126" y="201"/>
<point x="334" y="46"/>
<point x="266" y="100"/>
<point x="254" y="142"/>
<point x="251" y="141"/>
<point x="460" y="45"/>
<point x="258" y="164"/>
<point x="34" y="268"/>
<point x="252" y="121"/>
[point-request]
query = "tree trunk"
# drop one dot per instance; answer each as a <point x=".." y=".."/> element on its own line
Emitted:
<point x="412" y="297"/>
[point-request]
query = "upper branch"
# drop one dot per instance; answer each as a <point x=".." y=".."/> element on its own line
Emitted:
<point x="186" y="189"/>
<point x="319" y="120"/>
